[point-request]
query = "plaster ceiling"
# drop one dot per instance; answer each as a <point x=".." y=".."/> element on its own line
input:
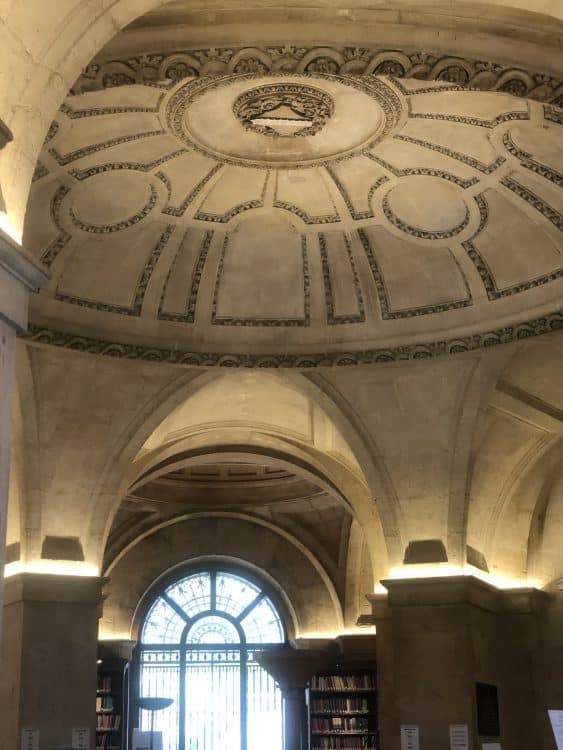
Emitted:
<point x="404" y="219"/>
<point x="267" y="490"/>
<point x="228" y="484"/>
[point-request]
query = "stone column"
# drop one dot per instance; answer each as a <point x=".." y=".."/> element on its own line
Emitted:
<point x="438" y="637"/>
<point x="49" y="651"/>
<point x="293" y="669"/>
<point x="19" y="275"/>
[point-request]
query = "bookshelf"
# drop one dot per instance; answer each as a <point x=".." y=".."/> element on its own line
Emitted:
<point x="109" y="705"/>
<point x="342" y="709"/>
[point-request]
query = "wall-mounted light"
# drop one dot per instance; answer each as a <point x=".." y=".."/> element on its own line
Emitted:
<point x="445" y="570"/>
<point x="105" y="636"/>
<point x="51" y="567"/>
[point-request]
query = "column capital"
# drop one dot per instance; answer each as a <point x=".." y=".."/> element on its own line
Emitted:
<point x="35" y="587"/>
<point x="293" y="668"/>
<point x="457" y="590"/>
<point x="20" y="274"/>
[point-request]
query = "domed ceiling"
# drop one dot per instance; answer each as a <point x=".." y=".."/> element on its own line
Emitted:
<point x="297" y="220"/>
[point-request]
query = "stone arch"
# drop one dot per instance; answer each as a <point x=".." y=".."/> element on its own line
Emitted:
<point x="516" y="460"/>
<point x="344" y="480"/>
<point x="261" y="577"/>
<point x="222" y="535"/>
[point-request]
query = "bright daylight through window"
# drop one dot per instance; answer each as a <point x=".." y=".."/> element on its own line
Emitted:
<point x="197" y="647"/>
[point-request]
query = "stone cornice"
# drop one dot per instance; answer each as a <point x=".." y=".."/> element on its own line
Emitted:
<point x="23" y="267"/>
<point x="33" y="587"/>
<point x="39" y="334"/>
<point x="20" y="274"/>
<point x="159" y="67"/>
<point x="456" y="591"/>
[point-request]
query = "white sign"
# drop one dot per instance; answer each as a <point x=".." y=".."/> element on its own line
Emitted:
<point x="30" y="739"/>
<point x="81" y="739"/>
<point x="491" y="746"/>
<point x="556" y="718"/>
<point x="409" y="737"/>
<point x="459" y="737"/>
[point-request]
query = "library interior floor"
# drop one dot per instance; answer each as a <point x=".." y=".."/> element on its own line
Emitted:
<point x="281" y="374"/>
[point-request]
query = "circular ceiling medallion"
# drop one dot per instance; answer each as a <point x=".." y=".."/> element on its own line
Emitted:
<point x="284" y="110"/>
<point x="286" y="122"/>
<point x="111" y="202"/>
<point x="427" y="208"/>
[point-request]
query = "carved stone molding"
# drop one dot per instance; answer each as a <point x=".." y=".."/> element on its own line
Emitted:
<point x="180" y="235"/>
<point x="284" y="110"/>
<point x="545" y="324"/>
<point x="157" y="68"/>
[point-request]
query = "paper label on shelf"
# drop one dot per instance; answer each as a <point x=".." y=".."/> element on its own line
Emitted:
<point x="556" y="719"/>
<point x="410" y="737"/>
<point x="81" y="739"/>
<point x="30" y="739"/>
<point x="459" y="737"/>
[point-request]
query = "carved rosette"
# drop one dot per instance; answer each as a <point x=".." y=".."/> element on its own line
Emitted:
<point x="284" y="109"/>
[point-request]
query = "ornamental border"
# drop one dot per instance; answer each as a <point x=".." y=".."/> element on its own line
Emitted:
<point x="463" y="73"/>
<point x="428" y="350"/>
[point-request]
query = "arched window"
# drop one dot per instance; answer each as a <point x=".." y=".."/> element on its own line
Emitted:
<point x="197" y="646"/>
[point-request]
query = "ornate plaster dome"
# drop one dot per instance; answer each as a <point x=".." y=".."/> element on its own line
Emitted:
<point x="297" y="220"/>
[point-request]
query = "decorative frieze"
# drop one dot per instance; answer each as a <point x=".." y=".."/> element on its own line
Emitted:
<point x="427" y="350"/>
<point x="462" y="73"/>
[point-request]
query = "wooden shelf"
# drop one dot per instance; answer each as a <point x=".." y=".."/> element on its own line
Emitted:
<point x="109" y="692"/>
<point x="330" y="691"/>
<point x="344" y="716"/>
<point x="343" y="713"/>
<point x="338" y="732"/>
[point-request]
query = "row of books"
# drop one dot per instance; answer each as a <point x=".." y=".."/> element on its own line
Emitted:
<point x="104" y="684"/>
<point x="109" y="721"/>
<point x="344" y="743"/>
<point x="339" y="724"/>
<point x="340" y="705"/>
<point x="343" y="682"/>
<point x="104" y="703"/>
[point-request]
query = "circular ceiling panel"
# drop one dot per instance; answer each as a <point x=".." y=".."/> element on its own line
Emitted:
<point x="297" y="220"/>
<point x="285" y="121"/>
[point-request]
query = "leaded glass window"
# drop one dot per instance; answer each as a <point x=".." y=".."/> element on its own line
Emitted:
<point x="197" y="646"/>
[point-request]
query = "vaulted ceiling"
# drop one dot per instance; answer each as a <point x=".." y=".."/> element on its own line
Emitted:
<point x="386" y="219"/>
